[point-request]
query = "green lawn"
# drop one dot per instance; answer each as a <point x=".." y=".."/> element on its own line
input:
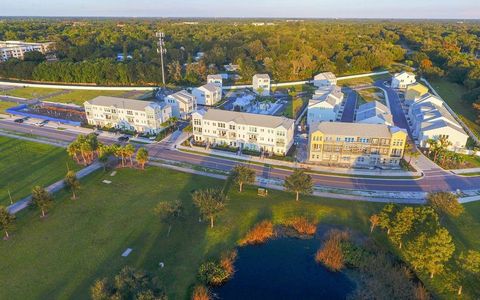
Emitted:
<point x="452" y="94"/>
<point x="30" y="92"/>
<point x="4" y="105"/>
<point x="61" y="256"/>
<point x="294" y="107"/>
<point x="80" y="96"/>
<point x="24" y="164"/>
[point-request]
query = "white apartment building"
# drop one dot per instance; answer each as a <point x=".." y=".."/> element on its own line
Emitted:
<point x="261" y="84"/>
<point x="374" y="113"/>
<point x="270" y="134"/>
<point x="208" y="94"/>
<point x="324" y="79"/>
<point x="216" y="79"/>
<point x="183" y="104"/>
<point x="431" y="120"/>
<point x="402" y="80"/>
<point x="325" y="105"/>
<point x="128" y="114"/>
<point x="17" y="49"/>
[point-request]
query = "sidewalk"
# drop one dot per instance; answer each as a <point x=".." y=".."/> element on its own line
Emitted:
<point x="53" y="188"/>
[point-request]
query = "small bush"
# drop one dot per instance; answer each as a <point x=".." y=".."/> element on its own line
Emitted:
<point x="201" y="292"/>
<point x="213" y="274"/>
<point x="331" y="254"/>
<point x="258" y="234"/>
<point x="302" y="225"/>
<point x="227" y="261"/>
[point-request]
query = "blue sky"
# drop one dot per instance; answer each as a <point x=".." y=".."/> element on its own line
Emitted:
<point x="469" y="9"/>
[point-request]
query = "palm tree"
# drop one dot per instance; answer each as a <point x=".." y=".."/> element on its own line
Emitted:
<point x="42" y="199"/>
<point x="6" y="221"/>
<point x="72" y="183"/>
<point x="73" y="149"/>
<point x="142" y="157"/>
<point x="374" y="222"/>
<point x="129" y="151"/>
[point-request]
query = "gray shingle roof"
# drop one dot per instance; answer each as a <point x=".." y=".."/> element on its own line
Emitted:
<point x="325" y="75"/>
<point x="248" y="119"/>
<point x="355" y="130"/>
<point x="182" y="96"/>
<point x="120" y="103"/>
<point x="261" y="76"/>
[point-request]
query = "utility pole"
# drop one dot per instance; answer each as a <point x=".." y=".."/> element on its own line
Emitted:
<point x="161" y="49"/>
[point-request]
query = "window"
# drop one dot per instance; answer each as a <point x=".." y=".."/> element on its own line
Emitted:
<point x="221" y="125"/>
<point x="232" y="127"/>
<point x="197" y="122"/>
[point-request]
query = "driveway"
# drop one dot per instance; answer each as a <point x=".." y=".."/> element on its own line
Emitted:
<point x="350" y="104"/>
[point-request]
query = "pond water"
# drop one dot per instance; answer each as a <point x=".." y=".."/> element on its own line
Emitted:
<point x="283" y="269"/>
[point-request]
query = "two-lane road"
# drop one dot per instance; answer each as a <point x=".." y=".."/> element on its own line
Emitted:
<point x="435" y="181"/>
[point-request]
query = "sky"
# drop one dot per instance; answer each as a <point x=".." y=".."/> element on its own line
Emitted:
<point x="409" y="9"/>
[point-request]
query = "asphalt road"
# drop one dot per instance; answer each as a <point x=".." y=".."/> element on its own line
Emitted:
<point x="350" y="104"/>
<point x="432" y="181"/>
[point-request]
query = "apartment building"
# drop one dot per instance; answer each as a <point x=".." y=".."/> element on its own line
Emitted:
<point x="325" y="105"/>
<point x="402" y="80"/>
<point x="430" y="119"/>
<point x="208" y="94"/>
<point x="261" y="84"/>
<point x="324" y="79"/>
<point x="127" y="114"/>
<point x="183" y="104"/>
<point x="360" y="145"/>
<point x="17" y="49"/>
<point x="270" y="134"/>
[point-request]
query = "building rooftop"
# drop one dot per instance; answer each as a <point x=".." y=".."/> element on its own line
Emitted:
<point x="355" y="130"/>
<point x="120" y="103"/>
<point x="261" y="76"/>
<point x="215" y="77"/>
<point x="248" y="118"/>
<point x="182" y="96"/>
<point x="325" y="75"/>
<point x="403" y="73"/>
<point x="211" y="87"/>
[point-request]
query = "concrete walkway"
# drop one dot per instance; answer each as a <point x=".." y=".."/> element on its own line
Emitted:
<point x="53" y="188"/>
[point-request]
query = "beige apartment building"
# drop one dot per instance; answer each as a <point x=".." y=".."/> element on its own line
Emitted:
<point x="356" y="145"/>
<point x="269" y="134"/>
<point x="17" y="49"/>
<point x="128" y="114"/>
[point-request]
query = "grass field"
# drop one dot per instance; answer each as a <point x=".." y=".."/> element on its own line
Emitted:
<point x="24" y="164"/>
<point x="294" y="107"/>
<point x="30" y="92"/>
<point x="452" y="94"/>
<point x="4" y="105"/>
<point x="84" y="239"/>
<point x="80" y="96"/>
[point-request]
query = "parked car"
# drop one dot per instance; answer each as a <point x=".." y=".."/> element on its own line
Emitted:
<point x="123" y="138"/>
<point x="41" y="123"/>
<point x="18" y="121"/>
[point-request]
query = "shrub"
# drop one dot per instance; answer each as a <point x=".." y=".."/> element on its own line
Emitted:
<point x="227" y="261"/>
<point x="201" y="292"/>
<point x="302" y="225"/>
<point x="213" y="273"/>
<point x="258" y="234"/>
<point x="331" y="254"/>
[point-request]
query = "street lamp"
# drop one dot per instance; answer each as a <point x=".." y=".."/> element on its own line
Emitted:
<point x="161" y="50"/>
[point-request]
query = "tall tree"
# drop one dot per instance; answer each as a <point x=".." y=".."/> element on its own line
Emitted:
<point x="129" y="151"/>
<point x="142" y="157"/>
<point x="42" y="199"/>
<point x="210" y="202"/>
<point x="430" y="252"/>
<point x="168" y="211"/>
<point x="72" y="183"/>
<point x="445" y="203"/>
<point x="299" y="182"/>
<point x="6" y="221"/>
<point x="374" y="221"/>
<point x="241" y="175"/>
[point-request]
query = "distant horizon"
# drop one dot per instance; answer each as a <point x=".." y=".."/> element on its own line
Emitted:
<point x="248" y="9"/>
